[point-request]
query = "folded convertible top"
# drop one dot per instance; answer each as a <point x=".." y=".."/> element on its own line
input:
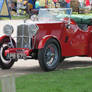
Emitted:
<point x="82" y="19"/>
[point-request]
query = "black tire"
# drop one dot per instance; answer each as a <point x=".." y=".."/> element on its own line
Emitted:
<point x="4" y="62"/>
<point x="49" y="56"/>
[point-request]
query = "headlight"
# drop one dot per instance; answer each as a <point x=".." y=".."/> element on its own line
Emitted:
<point x="8" y="30"/>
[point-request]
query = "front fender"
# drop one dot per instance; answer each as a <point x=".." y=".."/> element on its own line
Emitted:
<point x="44" y="40"/>
<point x="2" y="39"/>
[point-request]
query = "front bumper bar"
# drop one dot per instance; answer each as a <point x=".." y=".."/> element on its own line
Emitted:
<point x="17" y="53"/>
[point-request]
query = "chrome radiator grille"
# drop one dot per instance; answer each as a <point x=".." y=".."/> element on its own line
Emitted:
<point x="24" y="36"/>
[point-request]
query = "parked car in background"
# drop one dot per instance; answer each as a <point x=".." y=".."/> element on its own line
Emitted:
<point x="52" y="36"/>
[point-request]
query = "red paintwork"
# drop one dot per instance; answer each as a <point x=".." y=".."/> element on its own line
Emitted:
<point x="47" y="31"/>
<point x="44" y="39"/>
<point x="73" y="41"/>
<point x="78" y="44"/>
<point x="18" y="50"/>
<point x="1" y="38"/>
<point x="6" y="40"/>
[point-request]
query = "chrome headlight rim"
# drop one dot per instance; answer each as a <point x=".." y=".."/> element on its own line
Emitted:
<point x="8" y="30"/>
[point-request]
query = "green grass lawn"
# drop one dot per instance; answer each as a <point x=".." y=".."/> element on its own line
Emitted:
<point x="75" y="80"/>
<point x="15" y="17"/>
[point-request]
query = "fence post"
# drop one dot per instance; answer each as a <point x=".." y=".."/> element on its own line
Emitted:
<point x="8" y="83"/>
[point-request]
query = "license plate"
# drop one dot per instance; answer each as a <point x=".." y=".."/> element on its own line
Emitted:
<point x="17" y="55"/>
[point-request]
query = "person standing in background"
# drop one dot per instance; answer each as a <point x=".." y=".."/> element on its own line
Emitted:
<point x="87" y="2"/>
<point x="81" y="2"/>
<point x="68" y="6"/>
<point x="37" y="4"/>
<point x="88" y="5"/>
<point x="55" y="2"/>
<point x="68" y="3"/>
<point x="62" y="3"/>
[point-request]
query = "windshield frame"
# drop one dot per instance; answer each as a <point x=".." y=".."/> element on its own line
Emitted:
<point x="54" y="9"/>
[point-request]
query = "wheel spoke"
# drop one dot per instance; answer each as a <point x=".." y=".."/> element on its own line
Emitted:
<point x="5" y="62"/>
<point x="51" y="54"/>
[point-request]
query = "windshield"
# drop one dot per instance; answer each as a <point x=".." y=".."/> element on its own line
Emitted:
<point x="54" y="14"/>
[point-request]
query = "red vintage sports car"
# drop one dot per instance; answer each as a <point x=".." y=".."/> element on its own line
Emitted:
<point x="52" y="36"/>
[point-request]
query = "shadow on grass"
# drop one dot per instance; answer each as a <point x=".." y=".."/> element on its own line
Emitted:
<point x="74" y="64"/>
<point x="64" y="65"/>
<point x="36" y="69"/>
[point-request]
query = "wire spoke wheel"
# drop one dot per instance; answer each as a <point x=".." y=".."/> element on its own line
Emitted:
<point x="5" y="62"/>
<point x="49" y="56"/>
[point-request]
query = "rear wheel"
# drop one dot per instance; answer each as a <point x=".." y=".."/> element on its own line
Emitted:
<point x="49" y="57"/>
<point x="5" y="62"/>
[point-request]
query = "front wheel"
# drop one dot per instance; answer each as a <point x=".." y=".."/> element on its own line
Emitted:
<point x="5" y="63"/>
<point x="49" y="57"/>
